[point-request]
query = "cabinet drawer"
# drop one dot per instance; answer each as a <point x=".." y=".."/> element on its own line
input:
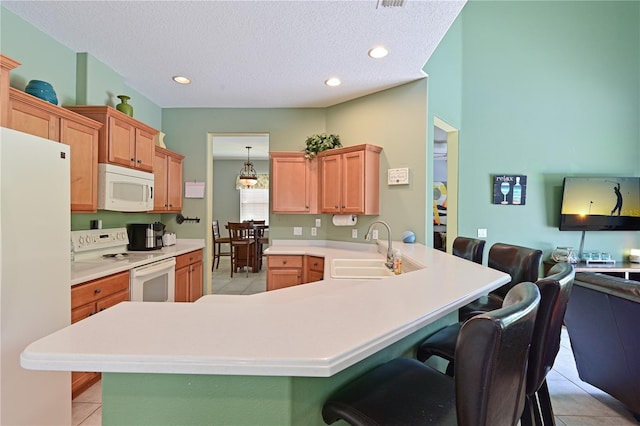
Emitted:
<point x="316" y="264"/>
<point x="188" y="258"/>
<point x="276" y="261"/>
<point x="82" y="312"/>
<point x="97" y="289"/>
<point x="112" y="300"/>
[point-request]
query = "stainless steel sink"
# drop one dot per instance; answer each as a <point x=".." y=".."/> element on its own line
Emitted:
<point x="360" y="268"/>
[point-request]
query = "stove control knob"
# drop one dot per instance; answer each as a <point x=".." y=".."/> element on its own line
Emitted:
<point x="81" y="240"/>
<point x="88" y="239"/>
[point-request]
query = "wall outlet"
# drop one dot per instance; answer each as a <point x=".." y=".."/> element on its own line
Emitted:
<point x="482" y="233"/>
<point x="374" y="234"/>
<point x="354" y="233"/>
<point x="297" y="230"/>
<point x="318" y="223"/>
<point x="314" y="232"/>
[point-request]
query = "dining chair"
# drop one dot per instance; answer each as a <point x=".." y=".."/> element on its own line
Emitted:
<point x="257" y="232"/>
<point x="242" y="246"/>
<point x="218" y="241"/>
<point x="487" y="390"/>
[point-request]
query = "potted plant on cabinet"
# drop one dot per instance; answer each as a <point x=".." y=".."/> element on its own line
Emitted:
<point x="321" y="142"/>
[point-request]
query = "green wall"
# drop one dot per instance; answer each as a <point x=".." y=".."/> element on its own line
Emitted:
<point x="545" y="89"/>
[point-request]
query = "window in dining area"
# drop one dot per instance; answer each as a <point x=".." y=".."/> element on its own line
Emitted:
<point x="254" y="204"/>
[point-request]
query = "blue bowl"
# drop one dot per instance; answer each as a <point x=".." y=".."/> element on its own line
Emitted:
<point x="43" y="90"/>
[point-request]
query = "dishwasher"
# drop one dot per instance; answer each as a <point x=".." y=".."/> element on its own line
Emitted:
<point x="154" y="282"/>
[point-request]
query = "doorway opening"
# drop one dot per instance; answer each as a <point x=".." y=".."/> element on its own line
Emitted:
<point x="227" y="153"/>
<point x="445" y="184"/>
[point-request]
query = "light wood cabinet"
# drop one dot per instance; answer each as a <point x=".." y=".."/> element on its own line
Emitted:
<point x="167" y="172"/>
<point x="284" y="271"/>
<point x="314" y="269"/>
<point x="123" y="140"/>
<point x="88" y="299"/>
<point x="32" y="115"/>
<point x="294" y="183"/>
<point x="189" y="277"/>
<point x="290" y="270"/>
<point x="350" y="180"/>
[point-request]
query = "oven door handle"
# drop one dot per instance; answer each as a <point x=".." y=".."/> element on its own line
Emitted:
<point x="144" y="271"/>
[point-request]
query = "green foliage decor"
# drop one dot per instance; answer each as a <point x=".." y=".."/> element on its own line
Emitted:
<point x="321" y="142"/>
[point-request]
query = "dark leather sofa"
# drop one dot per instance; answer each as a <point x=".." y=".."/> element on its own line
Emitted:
<point x="602" y="319"/>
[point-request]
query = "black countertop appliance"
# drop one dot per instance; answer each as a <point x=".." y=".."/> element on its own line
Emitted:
<point x="145" y="236"/>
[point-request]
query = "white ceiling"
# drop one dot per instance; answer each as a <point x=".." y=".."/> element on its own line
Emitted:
<point x="234" y="147"/>
<point x="249" y="54"/>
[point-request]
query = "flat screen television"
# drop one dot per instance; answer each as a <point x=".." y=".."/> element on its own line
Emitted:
<point x="600" y="204"/>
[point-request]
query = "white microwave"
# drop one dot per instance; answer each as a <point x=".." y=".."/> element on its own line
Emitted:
<point x="124" y="190"/>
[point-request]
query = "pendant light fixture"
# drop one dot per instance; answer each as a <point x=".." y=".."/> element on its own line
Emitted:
<point x="248" y="173"/>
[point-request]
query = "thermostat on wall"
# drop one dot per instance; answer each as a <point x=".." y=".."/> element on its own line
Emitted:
<point x="398" y="176"/>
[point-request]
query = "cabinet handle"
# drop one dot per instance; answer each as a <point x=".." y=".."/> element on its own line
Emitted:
<point x="336" y="207"/>
<point x="315" y="263"/>
<point x="133" y="159"/>
<point x="343" y="207"/>
<point x="102" y="309"/>
<point x="97" y="291"/>
<point x="284" y="262"/>
<point x="92" y="313"/>
<point x="139" y="161"/>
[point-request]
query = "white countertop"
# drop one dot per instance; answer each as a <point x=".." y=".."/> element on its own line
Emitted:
<point x="316" y="329"/>
<point x="91" y="269"/>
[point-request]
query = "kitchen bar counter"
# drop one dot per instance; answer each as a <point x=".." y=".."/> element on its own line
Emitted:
<point x="91" y="269"/>
<point x="267" y="358"/>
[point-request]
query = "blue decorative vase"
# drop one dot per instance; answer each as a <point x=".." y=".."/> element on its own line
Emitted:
<point x="124" y="106"/>
<point x="43" y="90"/>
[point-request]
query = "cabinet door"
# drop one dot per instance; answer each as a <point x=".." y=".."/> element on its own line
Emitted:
<point x="144" y="150"/>
<point x="182" y="285"/>
<point x="290" y="185"/>
<point x="160" y="181"/>
<point x="195" y="282"/>
<point x="36" y="121"/>
<point x="282" y="278"/>
<point x="353" y="182"/>
<point x="331" y="170"/>
<point x="83" y="141"/>
<point x="174" y="184"/>
<point x="121" y="142"/>
<point x="112" y="300"/>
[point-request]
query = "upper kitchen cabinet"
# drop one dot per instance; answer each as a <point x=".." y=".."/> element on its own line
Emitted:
<point x="124" y="141"/>
<point x="32" y="115"/>
<point x="167" y="172"/>
<point x="294" y="183"/>
<point x="350" y="180"/>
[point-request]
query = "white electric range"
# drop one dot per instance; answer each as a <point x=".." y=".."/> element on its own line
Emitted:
<point x="100" y="252"/>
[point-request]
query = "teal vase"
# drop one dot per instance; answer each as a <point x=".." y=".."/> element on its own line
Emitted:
<point x="124" y="106"/>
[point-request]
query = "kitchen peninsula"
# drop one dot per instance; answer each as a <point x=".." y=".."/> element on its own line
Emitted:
<point x="268" y="358"/>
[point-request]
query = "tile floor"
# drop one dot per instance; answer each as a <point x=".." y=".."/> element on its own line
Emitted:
<point x="575" y="403"/>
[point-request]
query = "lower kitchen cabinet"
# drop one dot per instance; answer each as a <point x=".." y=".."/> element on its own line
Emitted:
<point x="88" y="299"/>
<point x="289" y="270"/>
<point x="314" y="269"/>
<point x="189" y="277"/>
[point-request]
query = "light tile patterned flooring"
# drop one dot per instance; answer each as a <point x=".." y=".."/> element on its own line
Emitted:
<point x="575" y="403"/>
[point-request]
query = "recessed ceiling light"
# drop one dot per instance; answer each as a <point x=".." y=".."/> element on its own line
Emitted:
<point x="333" y="81"/>
<point x="378" y="52"/>
<point x="180" y="79"/>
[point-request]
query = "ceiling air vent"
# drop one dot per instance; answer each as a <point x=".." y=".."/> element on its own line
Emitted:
<point x="390" y="3"/>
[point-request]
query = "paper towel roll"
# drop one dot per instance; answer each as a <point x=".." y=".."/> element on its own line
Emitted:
<point x="344" y="219"/>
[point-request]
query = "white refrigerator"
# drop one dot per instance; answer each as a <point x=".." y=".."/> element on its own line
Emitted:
<point x="35" y="273"/>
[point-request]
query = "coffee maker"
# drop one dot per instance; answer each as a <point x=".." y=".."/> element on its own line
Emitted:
<point x="145" y="236"/>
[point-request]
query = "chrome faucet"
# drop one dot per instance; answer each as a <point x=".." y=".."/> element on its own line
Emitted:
<point x="389" y="262"/>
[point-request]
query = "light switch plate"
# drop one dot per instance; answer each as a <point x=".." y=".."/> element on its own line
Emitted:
<point x="314" y="232"/>
<point x="318" y="223"/>
<point x="374" y="234"/>
<point x="297" y="230"/>
<point x="482" y="233"/>
<point x="354" y="233"/>
<point x="398" y="176"/>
